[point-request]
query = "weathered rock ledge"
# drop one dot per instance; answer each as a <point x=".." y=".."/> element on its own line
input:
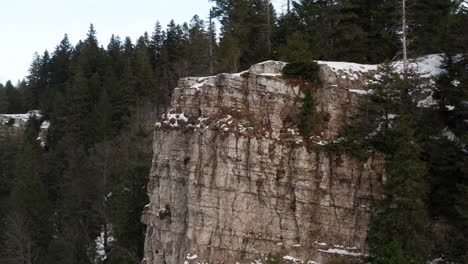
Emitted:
<point x="232" y="181"/>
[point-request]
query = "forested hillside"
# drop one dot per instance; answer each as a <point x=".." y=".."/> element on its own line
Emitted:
<point x="79" y="198"/>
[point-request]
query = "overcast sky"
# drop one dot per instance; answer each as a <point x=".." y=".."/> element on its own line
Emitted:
<point x="28" y="26"/>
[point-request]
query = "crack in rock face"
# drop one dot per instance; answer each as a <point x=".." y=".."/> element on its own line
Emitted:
<point x="232" y="181"/>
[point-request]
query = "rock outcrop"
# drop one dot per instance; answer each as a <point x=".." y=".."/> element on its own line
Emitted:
<point x="233" y="182"/>
<point x="15" y="125"/>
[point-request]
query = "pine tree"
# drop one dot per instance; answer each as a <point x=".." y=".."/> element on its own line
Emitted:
<point x="430" y="22"/>
<point x="38" y="80"/>
<point x="308" y="117"/>
<point x="60" y="72"/>
<point x="445" y="153"/>
<point x="29" y="208"/>
<point x="145" y="83"/>
<point x="129" y="196"/>
<point x="115" y="60"/>
<point x="89" y="55"/>
<point x="8" y="150"/>
<point x="400" y="225"/>
<point x="358" y="30"/>
<point x="78" y="110"/>
<point x="156" y="44"/>
<point x="228" y="55"/>
<point x="247" y="28"/>
<point x="318" y="19"/>
<point x="79" y="220"/>
<point x="171" y="61"/>
<point x="14" y="99"/>
<point x="4" y="104"/>
<point x="198" y="48"/>
<point x="296" y="49"/>
<point x="379" y="19"/>
<point x="104" y="117"/>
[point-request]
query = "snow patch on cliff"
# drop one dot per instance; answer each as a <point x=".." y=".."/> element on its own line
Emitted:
<point x="349" y="67"/>
<point x="20" y="119"/>
<point x="427" y="66"/>
<point x="343" y="252"/>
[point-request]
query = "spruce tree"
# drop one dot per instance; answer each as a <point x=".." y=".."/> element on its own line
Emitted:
<point x="429" y="25"/>
<point x="296" y="49"/>
<point x="14" y="99"/>
<point x="78" y="110"/>
<point x="145" y="83"/>
<point x="247" y="28"/>
<point x="399" y="230"/>
<point x="104" y="117"/>
<point x="308" y="117"/>
<point x="4" y="104"/>
<point x="129" y="196"/>
<point x="29" y="208"/>
<point x="156" y="44"/>
<point x="198" y="48"/>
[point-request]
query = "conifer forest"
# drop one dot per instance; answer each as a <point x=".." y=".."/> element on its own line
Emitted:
<point x="76" y="194"/>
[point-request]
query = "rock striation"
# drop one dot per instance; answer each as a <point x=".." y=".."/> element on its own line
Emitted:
<point x="233" y="182"/>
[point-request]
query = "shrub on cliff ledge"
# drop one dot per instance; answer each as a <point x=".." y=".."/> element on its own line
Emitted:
<point x="308" y="117"/>
<point x="11" y="121"/>
<point x="307" y="71"/>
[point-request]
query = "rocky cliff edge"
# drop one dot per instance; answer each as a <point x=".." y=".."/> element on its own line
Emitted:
<point x="233" y="182"/>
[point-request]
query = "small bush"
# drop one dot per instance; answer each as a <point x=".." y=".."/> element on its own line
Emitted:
<point x="308" y="118"/>
<point x="274" y="259"/>
<point x="11" y="121"/>
<point x="308" y="71"/>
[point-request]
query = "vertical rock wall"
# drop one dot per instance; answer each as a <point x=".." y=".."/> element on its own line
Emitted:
<point x="233" y="182"/>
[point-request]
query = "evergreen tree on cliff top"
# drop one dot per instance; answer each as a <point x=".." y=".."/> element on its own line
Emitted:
<point x="400" y="225"/>
<point x="247" y="27"/>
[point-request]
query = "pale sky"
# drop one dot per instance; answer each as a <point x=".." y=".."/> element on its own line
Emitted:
<point x="28" y="26"/>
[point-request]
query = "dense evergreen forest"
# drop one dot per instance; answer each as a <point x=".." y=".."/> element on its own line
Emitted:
<point x="79" y="199"/>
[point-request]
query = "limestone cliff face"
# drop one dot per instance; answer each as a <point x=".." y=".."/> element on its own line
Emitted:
<point x="15" y="125"/>
<point x="232" y="181"/>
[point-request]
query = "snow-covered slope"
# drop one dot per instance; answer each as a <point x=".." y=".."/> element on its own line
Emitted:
<point x="426" y="66"/>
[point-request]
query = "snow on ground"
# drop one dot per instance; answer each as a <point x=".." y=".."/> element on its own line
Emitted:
<point x="349" y="66"/>
<point x="428" y="101"/>
<point x="45" y="124"/>
<point x="341" y="252"/>
<point x="43" y="132"/>
<point x="359" y="91"/>
<point x="100" y="244"/>
<point x="427" y="66"/>
<point x="352" y="71"/>
<point x="450" y="107"/>
<point x="320" y="243"/>
<point x="270" y="74"/>
<point x="4" y="118"/>
<point x="239" y="74"/>
<point x="452" y="137"/>
<point x="293" y="259"/>
<point x="455" y="83"/>
<point x="202" y="82"/>
<point x="172" y="119"/>
<point x="439" y="260"/>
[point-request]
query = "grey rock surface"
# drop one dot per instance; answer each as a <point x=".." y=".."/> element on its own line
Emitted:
<point x="233" y="182"/>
